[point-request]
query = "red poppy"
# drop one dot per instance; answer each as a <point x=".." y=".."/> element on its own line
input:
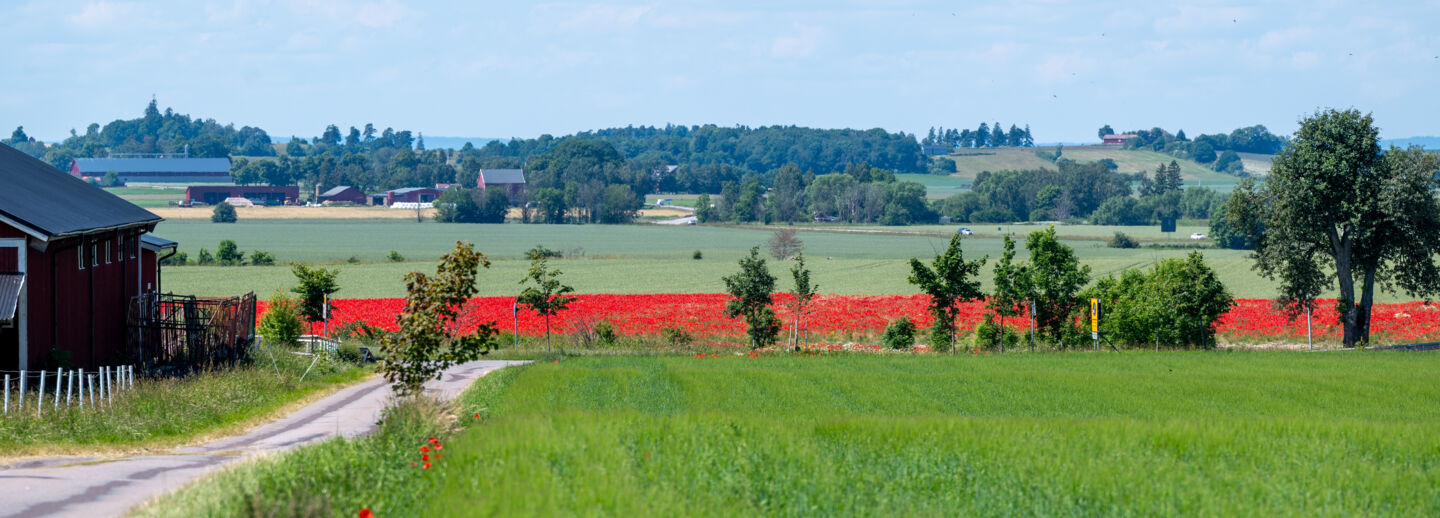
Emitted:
<point x="439" y="447"/>
<point x="427" y="465"/>
<point x="425" y="457"/>
<point x="365" y="513"/>
<point x="424" y="449"/>
<point x="433" y="440"/>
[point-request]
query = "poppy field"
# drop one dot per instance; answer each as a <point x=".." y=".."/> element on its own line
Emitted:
<point x="861" y="318"/>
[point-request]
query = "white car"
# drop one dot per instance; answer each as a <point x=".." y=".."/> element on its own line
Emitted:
<point x="964" y="231"/>
<point x="1197" y="235"/>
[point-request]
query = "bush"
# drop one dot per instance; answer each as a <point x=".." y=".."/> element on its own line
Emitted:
<point x="204" y="258"/>
<point x="354" y="259"/>
<point x="395" y="257"/>
<point x="540" y="252"/>
<point x="697" y="255"/>
<point x="281" y="324"/>
<point x="987" y="335"/>
<point x="178" y="259"/>
<point x="1122" y="241"/>
<point x="223" y="213"/>
<point x="900" y="334"/>
<point x="604" y="332"/>
<point x="262" y="258"/>
<point x="227" y="254"/>
<point x="940" y="339"/>
<point x="676" y="336"/>
<point x="1178" y="302"/>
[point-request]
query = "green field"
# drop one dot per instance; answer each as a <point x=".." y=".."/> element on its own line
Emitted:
<point x="936" y="186"/>
<point x="633" y="258"/>
<point x="1138" y="434"/>
<point x="971" y="162"/>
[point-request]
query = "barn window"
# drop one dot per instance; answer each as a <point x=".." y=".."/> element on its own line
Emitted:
<point x="95" y="254"/>
<point x="134" y="244"/>
<point x="80" y="253"/>
<point x="107" y="251"/>
<point x="121" y="256"/>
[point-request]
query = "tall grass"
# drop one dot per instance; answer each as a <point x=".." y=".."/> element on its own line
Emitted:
<point x="164" y="412"/>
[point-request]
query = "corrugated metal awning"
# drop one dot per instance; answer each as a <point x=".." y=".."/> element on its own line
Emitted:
<point x="10" y="284"/>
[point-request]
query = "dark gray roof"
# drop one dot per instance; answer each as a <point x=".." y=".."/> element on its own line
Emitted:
<point x="502" y="176"/>
<point x="100" y="166"/>
<point x="334" y="191"/>
<point x="409" y="190"/>
<point x="156" y="243"/>
<point x="47" y="203"/>
<point x="10" y="284"/>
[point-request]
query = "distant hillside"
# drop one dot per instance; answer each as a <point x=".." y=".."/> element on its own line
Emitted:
<point x="1425" y="142"/>
<point x="971" y="162"/>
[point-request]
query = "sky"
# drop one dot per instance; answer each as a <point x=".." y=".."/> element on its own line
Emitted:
<point x="519" y="69"/>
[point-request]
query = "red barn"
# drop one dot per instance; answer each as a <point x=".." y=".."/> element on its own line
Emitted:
<point x="71" y="258"/>
<point x="1117" y="139"/>
<point x="257" y="194"/>
<point x="344" y="194"/>
<point x="511" y="180"/>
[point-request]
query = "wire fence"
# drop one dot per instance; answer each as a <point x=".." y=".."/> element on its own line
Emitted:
<point x="28" y="391"/>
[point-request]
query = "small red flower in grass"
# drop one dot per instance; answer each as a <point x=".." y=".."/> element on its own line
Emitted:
<point x="427" y="465"/>
<point x="365" y="513"/>
<point x="434" y="440"/>
<point x="477" y="415"/>
<point x="425" y="457"/>
<point x="439" y="447"/>
<point x="424" y="449"/>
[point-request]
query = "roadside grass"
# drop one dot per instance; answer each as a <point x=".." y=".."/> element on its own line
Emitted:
<point x="1212" y="434"/>
<point x="341" y="476"/>
<point x="163" y="413"/>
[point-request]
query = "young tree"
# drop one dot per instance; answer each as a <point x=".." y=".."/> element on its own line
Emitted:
<point x="315" y="285"/>
<point x="1055" y="278"/>
<point x="1011" y="287"/>
<point x="223" y="213"/>
<point x="1333" y="200"/>
<point x="429" y="340"/>
<point x="801" y="295"/>
<point x="948" y="284"/>
<point x="704" y="212"/>
<point x="227" y="254"/>
<point x="750" y="291"/>
<point x="547" y="296"/>
<point x="784" y="244"/>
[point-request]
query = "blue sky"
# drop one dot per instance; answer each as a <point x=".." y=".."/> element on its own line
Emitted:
<point x="500" y="69"/>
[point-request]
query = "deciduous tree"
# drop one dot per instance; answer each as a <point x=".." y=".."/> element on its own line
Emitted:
<point x="750" y="298"/>
<point x="546" y="295"/>
<point x="429" y="340"/>
<point x="949" y="283"/>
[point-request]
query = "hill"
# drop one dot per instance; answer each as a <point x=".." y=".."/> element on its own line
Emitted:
<point x="971" y="162"/>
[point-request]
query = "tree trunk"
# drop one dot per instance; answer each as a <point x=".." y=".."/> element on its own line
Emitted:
<point x="547" y="334"/>
<point x="1367" y="299"/>
<point x="1002" y="332"/>
<point x="1345" y="277"/>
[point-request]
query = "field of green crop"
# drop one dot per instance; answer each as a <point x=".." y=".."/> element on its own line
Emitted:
<point x="970" y="162"/>
<point x="632" y="258"/>
<point x="1142" y="434"/>
<point x="937" y="186"/>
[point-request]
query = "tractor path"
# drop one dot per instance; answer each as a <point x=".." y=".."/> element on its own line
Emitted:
<point x="88" y="487"/>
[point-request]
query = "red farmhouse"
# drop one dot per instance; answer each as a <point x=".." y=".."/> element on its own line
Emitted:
<point x="1117" y="139"/>
<point x="71" y="258"/>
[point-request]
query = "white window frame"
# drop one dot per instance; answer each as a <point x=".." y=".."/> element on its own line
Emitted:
<point x="94" y="254"/>
<point x="108" y="255"/>
<point x="80" y="254"/>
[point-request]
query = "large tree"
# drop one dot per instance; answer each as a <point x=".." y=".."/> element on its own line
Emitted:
<point x="1338" y="209"/>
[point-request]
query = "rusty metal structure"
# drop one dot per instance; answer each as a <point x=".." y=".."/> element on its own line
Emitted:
<point x="178" y="333"/>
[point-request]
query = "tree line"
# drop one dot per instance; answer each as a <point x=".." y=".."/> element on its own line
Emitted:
<point x="985" y="135"/>
<point x="1220" y="151"/>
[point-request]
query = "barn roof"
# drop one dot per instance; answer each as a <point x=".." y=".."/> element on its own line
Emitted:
<point x="100" y="166"/>
<point x="409" y="190"/>
<point x="502" y="176"/>
<point x="150" y="242"/>
<point x="46" y="203"/>
<point x="334" y="191"/>
<point x="10" y="284"/>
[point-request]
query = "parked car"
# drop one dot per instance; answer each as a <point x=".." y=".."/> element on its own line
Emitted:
<point x="1197" y="235"/>
<point x="965" y="231"/>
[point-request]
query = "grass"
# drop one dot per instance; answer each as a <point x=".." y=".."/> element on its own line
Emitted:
<point x="161" y="413"/>
<point x="845" y="259"/>
<point x="970" y="163"/>
<point x="936" y="186"/>
<point x="1206" y="434"/>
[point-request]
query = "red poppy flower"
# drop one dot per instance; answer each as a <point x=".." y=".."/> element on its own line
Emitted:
<point x="424" y="449"/>
<point x="365" y="513"/>
<point x="439" y="447"/>
<point x="433" y="440"/>
<point x="427" y="465"/>
<point x="425" y="457"/>
<point x="477" y="415"/>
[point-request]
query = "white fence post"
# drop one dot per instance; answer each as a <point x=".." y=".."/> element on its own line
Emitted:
<point x="7" y="393"/>
<point x="40" y="401"/>
<point x="104" y="384"/>
<point x="21" y="403"/>
<point x="70" y="389"/>
<point x="130" y="377"/>
<point x="59" y="384"/>
<point x="89" y="390"/>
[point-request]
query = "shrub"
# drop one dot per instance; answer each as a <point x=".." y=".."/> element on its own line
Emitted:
<point x="540" y="252"/>
<point x="178" y="259"/>
<point x="697" y="255"/>
<point x="604" y="332"/>
<point x="223" y="213"/>
<point x="281" y="323"/>
<point x="1178" y="302"/>
<point x="395" y="257"/>
<point x="676" y="336"/>
<point x="227" y="254"/>
<point x="900" y="334"/>
<point x="941" y="341"/>
<point x="354" y="259"/>
<point x="987" y="335"/>
<point x="1122" y="241"/>
<point x="262" y="258"/>
<point x="204" y="258"/>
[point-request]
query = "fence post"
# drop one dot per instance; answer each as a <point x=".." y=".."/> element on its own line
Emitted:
<point x="130" y="376"/>
<point x="70" y="389"/>
<point x="21" y="403"/>
<point x="7" y="394"/>
<point x="104" y="384"/>
<point x="89" y="390"/>
<point x="59" y="384"/>
<point x="40" y="401"/>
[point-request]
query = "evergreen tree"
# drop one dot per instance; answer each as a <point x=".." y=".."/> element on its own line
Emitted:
<point x="750" y="291"/>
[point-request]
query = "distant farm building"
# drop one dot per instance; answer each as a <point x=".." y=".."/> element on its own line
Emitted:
<point x="411" y="195"/>
<point x="936" y="149"/>
<point x="1117" y="139"/>
<point x="343" y="194"/>
<point x="257" y="194"/>
<point x="72" y="259"/>
<point x="155" y="169"/>
<point x="512" y="180"/>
